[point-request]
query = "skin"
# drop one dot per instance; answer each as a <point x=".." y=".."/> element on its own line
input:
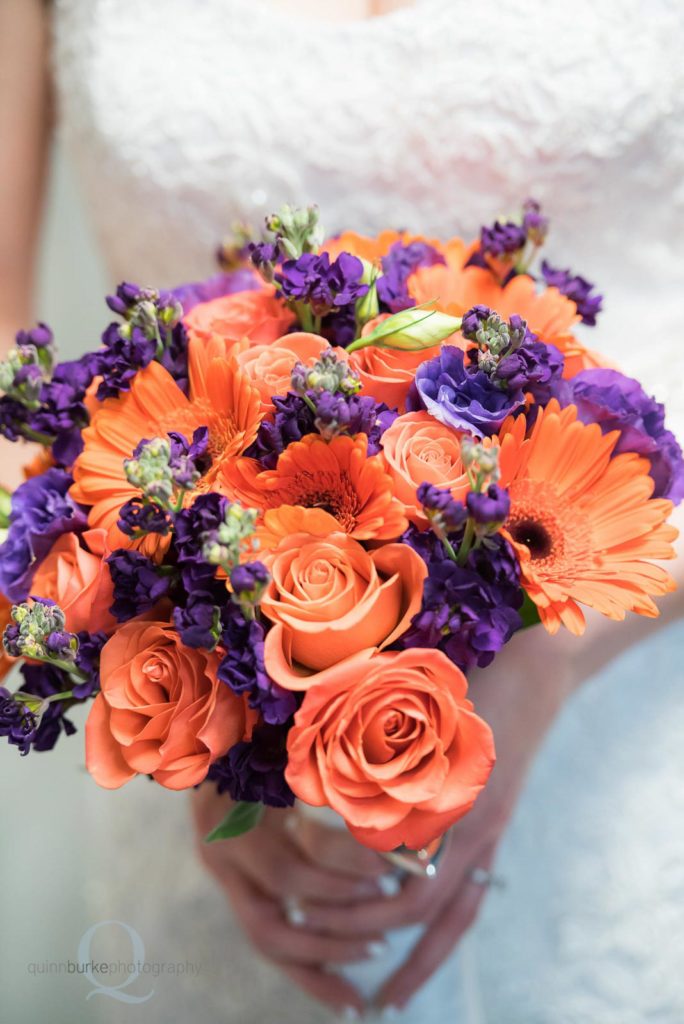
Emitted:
<point x="335" y="879"/>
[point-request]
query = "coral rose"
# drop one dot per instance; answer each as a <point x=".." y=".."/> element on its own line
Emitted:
<point x="392" y="744"/>
<point x="161" y="711"/>
<point x="330" y="598"/>
<point x="77" y="579"/>
<point x="269" y="367"/>
<point x="258" y="315"/>
<point x="418" y="449"/>
<point x="5" y="618"/>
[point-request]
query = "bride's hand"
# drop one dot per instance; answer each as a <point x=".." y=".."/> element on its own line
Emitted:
<point x="519" y="696"/>
<point x="265" y="868"/>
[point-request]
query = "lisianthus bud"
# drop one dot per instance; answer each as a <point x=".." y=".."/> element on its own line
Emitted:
<point x="410" y="330"/>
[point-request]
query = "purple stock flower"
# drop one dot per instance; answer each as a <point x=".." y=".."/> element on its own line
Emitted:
<point x="502" y="239"/>
<point x="206" y="513"/>
<point x="63" y="414"/>
<point x="535" y="224"/>
<point x="491" y="506"/>
<point x="42" y="680"/>
<point x="243" y="669"/>
<point x="138" y="518"/>
<point x="122" y="358"/>
<point x="138" y="584"/>
<point x="17" y="723"/>
<point x="293" y="419"/>
<point x="255" y="771"/>
<point x="577" y="289"/>
<point x="463" y="397"/>
<point x="397" y="266"/>
<point x="39" y="336"/>
<point x="325" y="286"/>
<point x="469" y="611"/>
<point x="439" y="504"/>
<point x="199" y="621"/>
<point x="189" y="459"/>
<point x="617" y="402"/>
<point x="248" y="577"/>
<point x="88" y="660"/>
<point x="41" y="512"/>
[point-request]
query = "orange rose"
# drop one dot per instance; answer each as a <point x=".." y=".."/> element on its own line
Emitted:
<point x="330" y="598"/>
<point x="269" y="366"/>
<point x="257" y="315"/>
<point x="417" y="449"/>
<point x="161" y="710"/>
<point x="77" y="579"/>
<point x="392" y="744"/>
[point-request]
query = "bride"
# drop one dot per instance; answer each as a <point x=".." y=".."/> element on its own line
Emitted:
<point x="183" y="118"/>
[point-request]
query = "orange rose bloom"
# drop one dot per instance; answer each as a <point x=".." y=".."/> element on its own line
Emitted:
<point x="77" y="579"/>
<point x="392" y="744"/>
<point x="269" y="367"/>
<point x="258" y="315"/>
<point x="161" y="710"/>
<point x="418" y="449"/>
<point x="330" y="598"/>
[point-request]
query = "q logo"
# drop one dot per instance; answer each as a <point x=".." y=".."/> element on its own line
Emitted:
<point x="92" y="970"/>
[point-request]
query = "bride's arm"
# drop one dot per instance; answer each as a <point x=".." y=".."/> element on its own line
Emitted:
<point x="25" y="124"/>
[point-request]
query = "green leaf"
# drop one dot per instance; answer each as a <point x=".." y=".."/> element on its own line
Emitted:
<point x="240" y="819"/>
<point x="529" y="612"/>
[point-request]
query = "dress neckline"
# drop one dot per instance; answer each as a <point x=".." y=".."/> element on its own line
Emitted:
<point x="266" y="8"/>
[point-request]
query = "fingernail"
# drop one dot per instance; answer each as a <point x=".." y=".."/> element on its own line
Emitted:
<point x="350" y="1013"/>
<point x="389" y="885"/>
<point x="376" y="949"/>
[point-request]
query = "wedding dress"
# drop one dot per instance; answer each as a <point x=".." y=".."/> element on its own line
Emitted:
<point x="184" y="117"/>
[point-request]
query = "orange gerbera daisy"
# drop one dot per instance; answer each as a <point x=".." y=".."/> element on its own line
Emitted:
<point x="551" y="315"/>
<point x="221" y="398"/>
<point x="336" y="476"/>
<point x="582" y="521"/>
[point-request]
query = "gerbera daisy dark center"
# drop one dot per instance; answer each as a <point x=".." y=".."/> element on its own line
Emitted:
<point x="534" y="535"/>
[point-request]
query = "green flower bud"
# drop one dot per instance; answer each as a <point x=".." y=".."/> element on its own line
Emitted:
<point x="410" y="330"/>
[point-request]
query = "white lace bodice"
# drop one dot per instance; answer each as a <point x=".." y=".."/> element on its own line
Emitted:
<point x="184" y="118"/>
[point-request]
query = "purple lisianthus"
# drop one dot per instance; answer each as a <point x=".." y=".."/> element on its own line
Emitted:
<point x="255" y="771"/>
<point x="463" y="397"/>
<point x="470" y="612"/>
<point x="243" y="669"/>
<point x="490" y="506"/>
<point x="577" y="289"/>
<point x="617" y="402"/>
<point x="138" y="584"/>
<point x="42" y="511"/>
<point x="323" y="285"/>
<point x="397" y="266"/>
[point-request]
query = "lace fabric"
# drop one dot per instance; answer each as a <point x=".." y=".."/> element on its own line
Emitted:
<point x="184" y="118"/>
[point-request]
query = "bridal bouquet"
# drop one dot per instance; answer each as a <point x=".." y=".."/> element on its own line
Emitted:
<point x="279" y="515"/>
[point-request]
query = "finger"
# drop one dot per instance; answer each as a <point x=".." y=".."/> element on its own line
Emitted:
<point x="437" y="943"/>
<point x="266" y="927"/>
<point x="287" y="873"/>
<point x="327" y="988"/>
<point x="418" y="901"/>
<point x="335" y="849"/>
